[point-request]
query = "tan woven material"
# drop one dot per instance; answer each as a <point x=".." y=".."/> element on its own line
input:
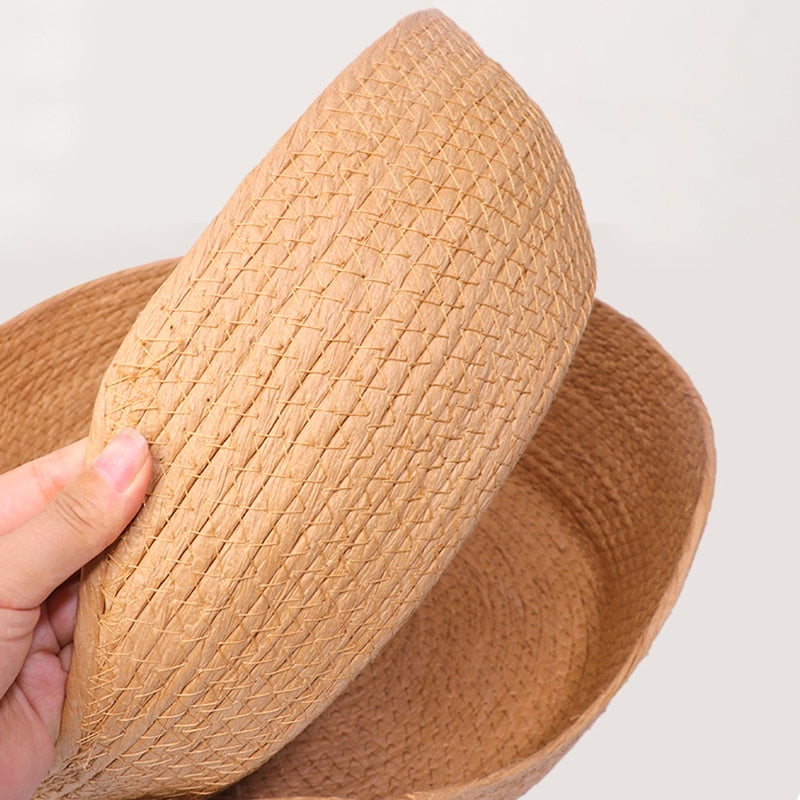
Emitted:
<point x="337" y="381"/>
<point x="539" y="618"/>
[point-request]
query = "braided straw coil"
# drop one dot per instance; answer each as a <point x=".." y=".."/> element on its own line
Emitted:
<point x="336" y="382"/>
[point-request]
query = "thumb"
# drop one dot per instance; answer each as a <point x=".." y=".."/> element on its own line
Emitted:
<point x="84" y="518"/>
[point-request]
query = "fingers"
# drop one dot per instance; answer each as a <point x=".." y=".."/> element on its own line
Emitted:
<point x="80" y="522"/>
<point x="62" y="608"/>
<point x="26" y="749"/>
<point x="55" y="515"/>
<point x="26" y="490"/>
<point x="42" y="678"/>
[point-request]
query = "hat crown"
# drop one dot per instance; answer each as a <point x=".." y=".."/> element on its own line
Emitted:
<point x="335" y="381"/>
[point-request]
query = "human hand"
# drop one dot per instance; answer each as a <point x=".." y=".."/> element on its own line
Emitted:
<point x="56" y="514"/>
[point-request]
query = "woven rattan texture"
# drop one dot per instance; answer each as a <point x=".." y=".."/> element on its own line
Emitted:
<point x="335" y="381"/>
<point x="544" y="611"/>
<point x="538" y="619"/>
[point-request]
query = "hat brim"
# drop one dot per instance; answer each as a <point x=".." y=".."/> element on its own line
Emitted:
<point x="542" y="615"/>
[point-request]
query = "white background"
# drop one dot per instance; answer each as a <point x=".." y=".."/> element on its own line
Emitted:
<point x="124" y="127"/>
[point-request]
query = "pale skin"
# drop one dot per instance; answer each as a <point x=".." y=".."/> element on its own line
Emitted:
<point x="56" y="514"/>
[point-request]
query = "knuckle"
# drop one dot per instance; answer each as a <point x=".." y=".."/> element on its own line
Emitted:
<point x="17" y="624"/>
<point x="44" y="480"/>
<point x="81" y="512"/>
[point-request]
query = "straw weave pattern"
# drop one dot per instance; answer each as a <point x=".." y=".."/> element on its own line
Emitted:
<point x="335" y="381"/>
<point x="538" y="619"/>
<point x="543" y="612"/>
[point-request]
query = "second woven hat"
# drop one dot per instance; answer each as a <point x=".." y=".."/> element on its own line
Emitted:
<point x="335" y="382"/>
<point x="540" y="617"/>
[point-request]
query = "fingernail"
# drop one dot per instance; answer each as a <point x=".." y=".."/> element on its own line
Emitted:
<point x="122" y="458"/>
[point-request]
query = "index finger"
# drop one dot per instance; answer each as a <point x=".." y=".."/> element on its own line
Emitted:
<point x="27" y="489"/>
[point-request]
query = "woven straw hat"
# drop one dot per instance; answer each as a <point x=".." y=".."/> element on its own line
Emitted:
<point x="358" y="573"/>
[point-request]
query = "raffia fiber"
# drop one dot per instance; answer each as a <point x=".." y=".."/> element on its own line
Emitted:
<point x="537" y="621"/>
<point x="337" y="381"/>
